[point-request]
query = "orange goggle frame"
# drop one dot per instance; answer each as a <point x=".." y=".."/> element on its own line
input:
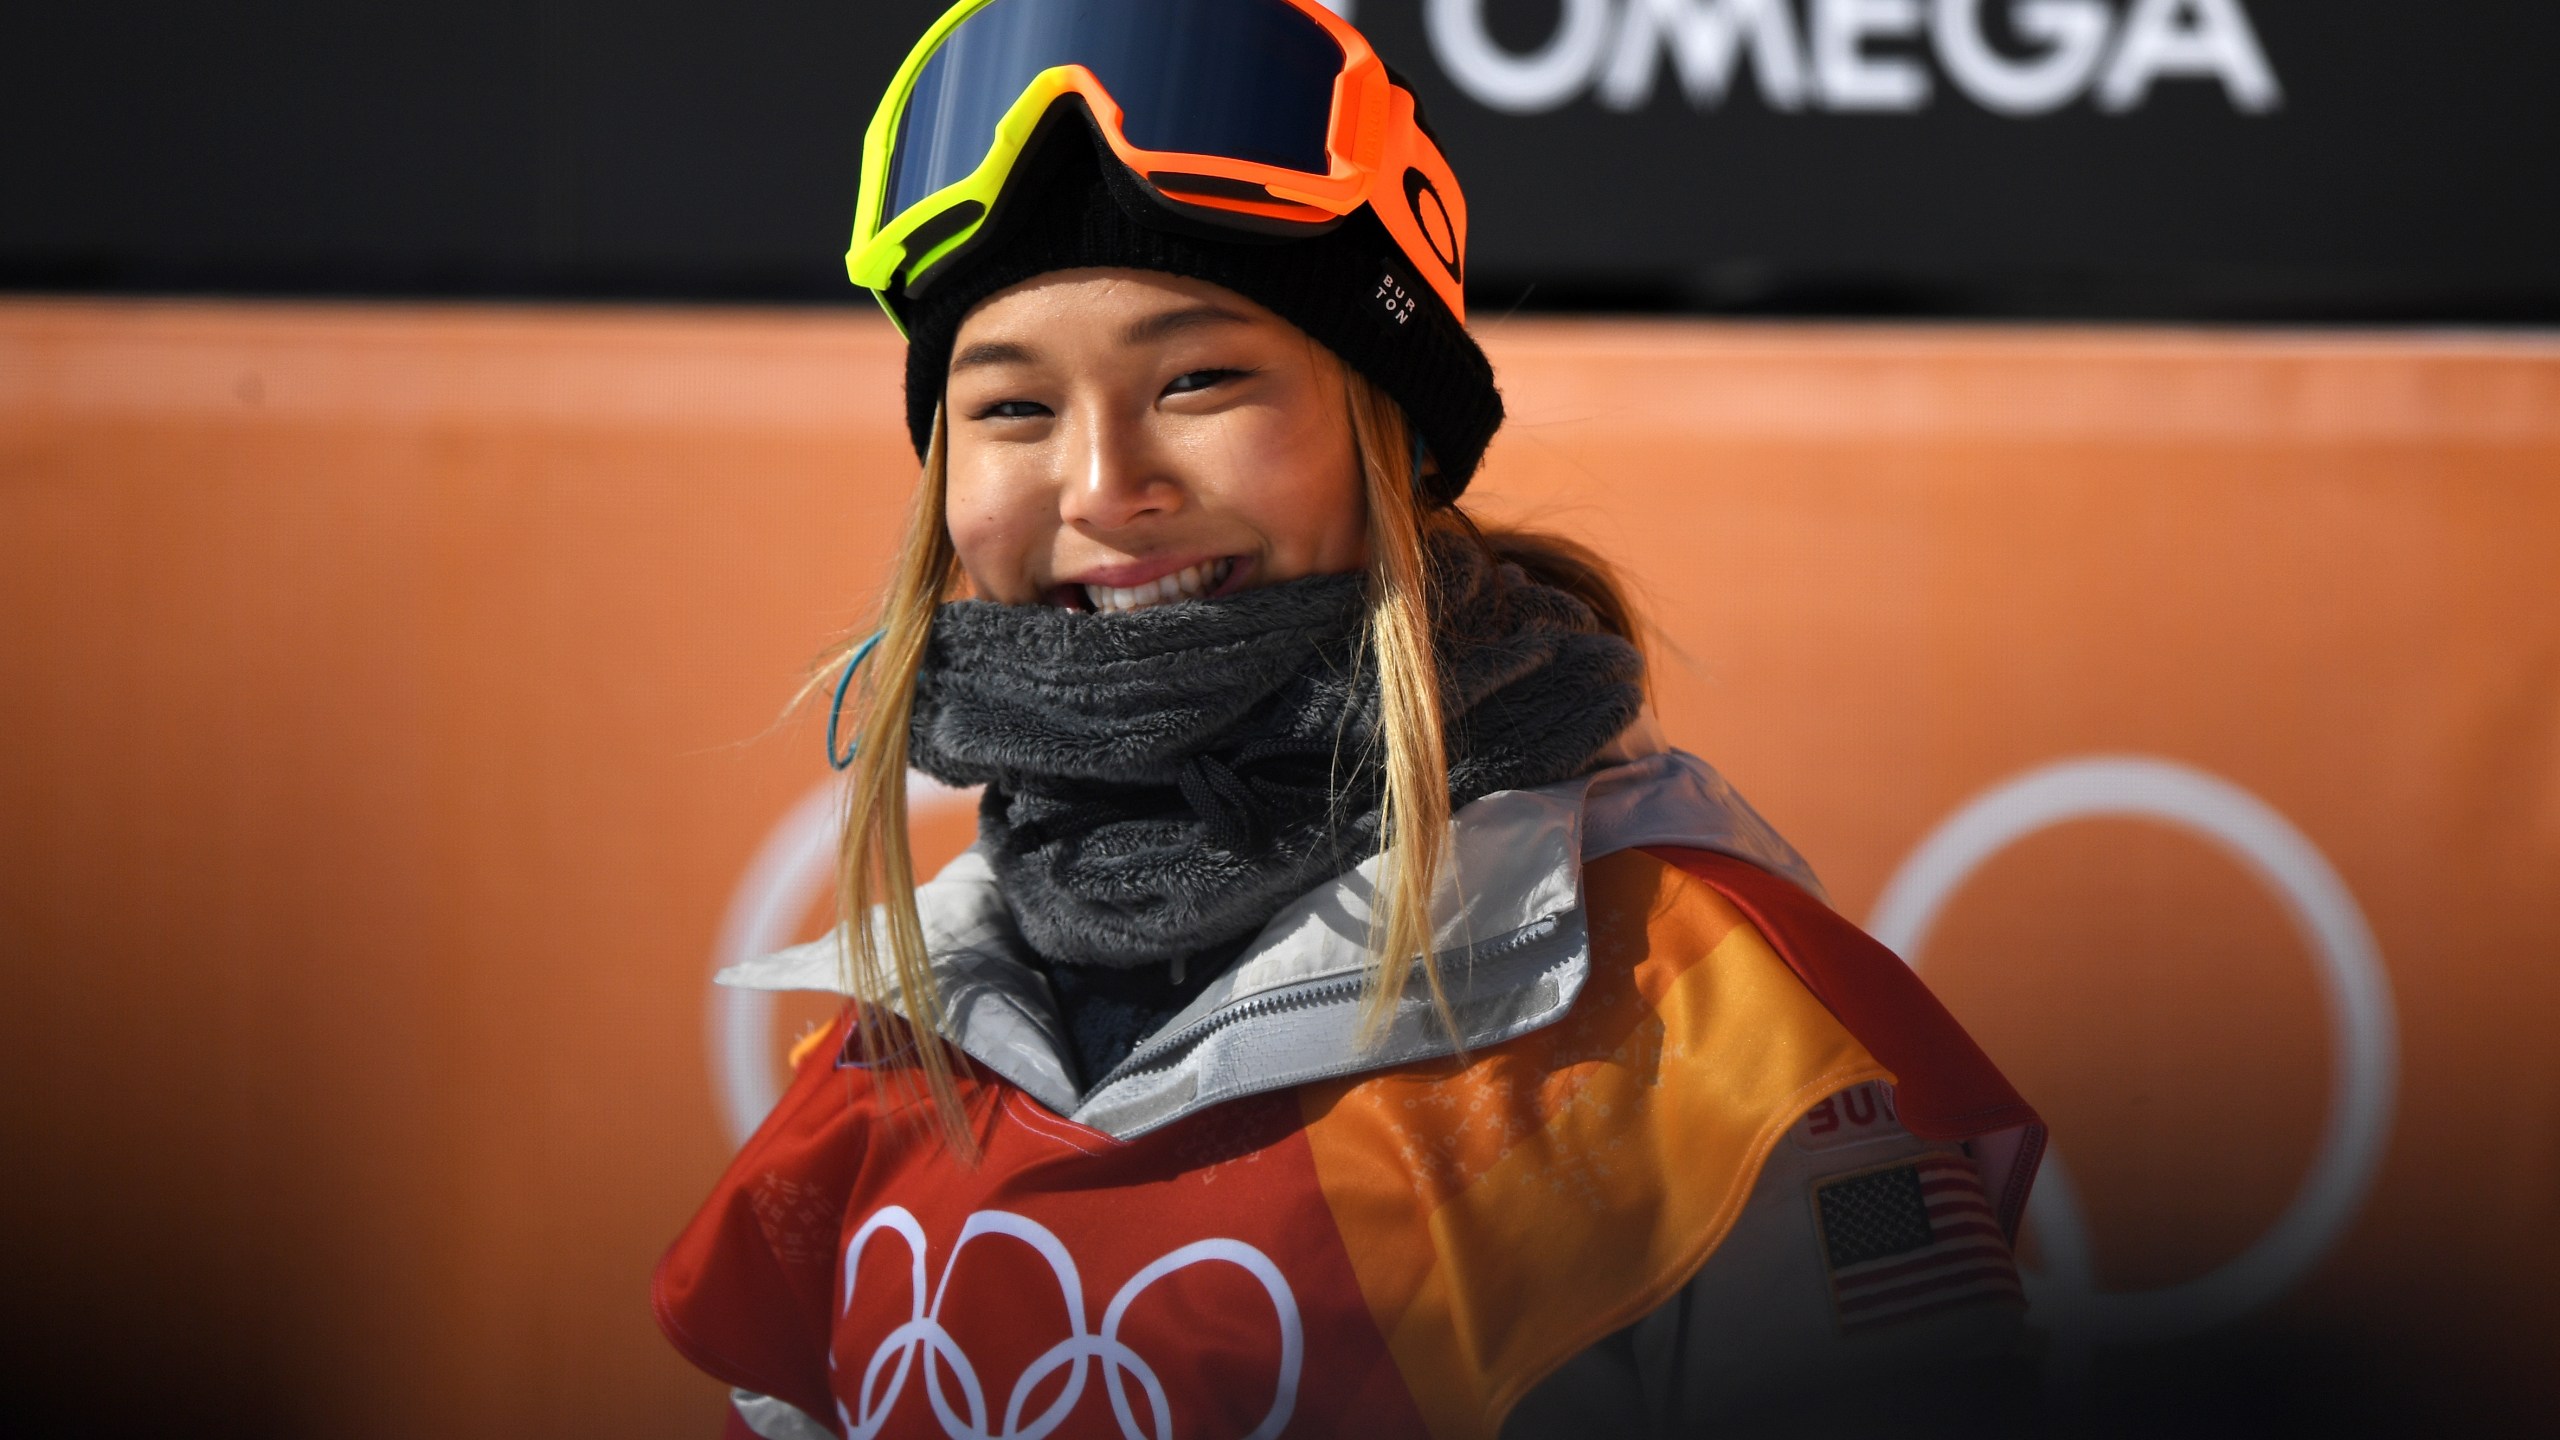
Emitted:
<point x="1377" y="152"/>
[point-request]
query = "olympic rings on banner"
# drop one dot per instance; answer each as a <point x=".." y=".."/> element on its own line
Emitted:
<point x="2364" y="1063"/>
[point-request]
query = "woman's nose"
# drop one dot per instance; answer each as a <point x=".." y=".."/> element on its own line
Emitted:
<point x="1116" y="478"/>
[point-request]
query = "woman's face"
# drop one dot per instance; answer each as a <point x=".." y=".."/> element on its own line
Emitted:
<point x="1120" y="438"/>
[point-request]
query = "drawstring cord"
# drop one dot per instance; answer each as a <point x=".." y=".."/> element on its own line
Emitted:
<point x="835" y="712"/>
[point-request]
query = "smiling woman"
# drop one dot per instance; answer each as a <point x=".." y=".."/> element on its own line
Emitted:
<point x="1345" y="977"/>
<point x="1119" y="439"/>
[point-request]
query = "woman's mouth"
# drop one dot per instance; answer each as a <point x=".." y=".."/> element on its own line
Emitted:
<point x="1193" y="582"/>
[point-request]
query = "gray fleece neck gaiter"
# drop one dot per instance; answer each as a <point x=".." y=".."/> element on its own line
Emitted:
<point x="1159" y="783"/>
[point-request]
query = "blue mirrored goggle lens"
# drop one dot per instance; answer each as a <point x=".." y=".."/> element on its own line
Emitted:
<point x="1244" y="79"/>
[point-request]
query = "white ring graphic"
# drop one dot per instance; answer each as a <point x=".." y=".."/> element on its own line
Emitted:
<point x="791" y="869"/>
<point x="885" y="1375"/>
<point x="2364" y="1061"/>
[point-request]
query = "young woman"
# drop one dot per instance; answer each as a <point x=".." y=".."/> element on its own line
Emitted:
<point x="1351" y="1020"/>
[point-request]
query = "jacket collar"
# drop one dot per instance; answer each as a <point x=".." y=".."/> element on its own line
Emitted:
<point x="1512" y="950"/>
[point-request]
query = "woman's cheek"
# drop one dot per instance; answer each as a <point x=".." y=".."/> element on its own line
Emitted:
<point x="992" y="542"/>
<point x="1298" y="475"/>
<point x="1329" y="506"/>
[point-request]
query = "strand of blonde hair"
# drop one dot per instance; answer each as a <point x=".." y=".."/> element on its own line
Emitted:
<point x="885" y="965"/>
<point x="1413" y="818"/>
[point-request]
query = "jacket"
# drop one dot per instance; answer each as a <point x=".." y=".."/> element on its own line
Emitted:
<point x="1695" y="1141"/>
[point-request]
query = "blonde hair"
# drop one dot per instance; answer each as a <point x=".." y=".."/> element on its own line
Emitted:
<point x="886" y="964"/>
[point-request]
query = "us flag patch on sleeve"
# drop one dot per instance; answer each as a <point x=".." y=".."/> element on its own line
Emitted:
<point x="1911" y="1240"/>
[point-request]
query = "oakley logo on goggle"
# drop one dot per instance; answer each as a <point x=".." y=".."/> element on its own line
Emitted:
<point x="965" y="1415"/>
<point x="1433" y="217"/>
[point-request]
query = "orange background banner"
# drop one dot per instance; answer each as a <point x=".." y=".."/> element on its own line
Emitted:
<point x="389" y="737"/>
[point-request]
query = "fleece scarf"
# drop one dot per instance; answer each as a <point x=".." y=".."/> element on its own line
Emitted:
<point x="1159" y="783"/>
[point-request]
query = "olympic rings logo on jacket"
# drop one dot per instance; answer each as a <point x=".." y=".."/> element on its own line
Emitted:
<point x="923" y="1334"/>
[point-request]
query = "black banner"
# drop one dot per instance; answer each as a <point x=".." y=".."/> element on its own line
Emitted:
<point x="2347" y="159"/>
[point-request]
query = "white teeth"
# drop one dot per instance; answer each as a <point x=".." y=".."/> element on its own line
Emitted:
<point x="1192" y="583"/>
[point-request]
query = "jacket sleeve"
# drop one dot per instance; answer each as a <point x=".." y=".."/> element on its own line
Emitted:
<point x="745" y="1291"/>
<point x="1866" y="1267"/>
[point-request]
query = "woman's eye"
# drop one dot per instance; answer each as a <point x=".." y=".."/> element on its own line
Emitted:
<point x="1013" y="410"/>
<point x="1191" y="380"/>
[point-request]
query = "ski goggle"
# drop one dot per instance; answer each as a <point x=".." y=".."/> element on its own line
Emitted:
<point x="1271" y="117"/>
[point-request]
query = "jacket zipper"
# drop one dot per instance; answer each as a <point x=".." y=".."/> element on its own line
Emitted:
<point x="1168" y="1053"/>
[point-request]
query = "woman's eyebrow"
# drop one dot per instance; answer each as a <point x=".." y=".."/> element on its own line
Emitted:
<point x="991" y="352"/>
<point x="1168" y="322"/>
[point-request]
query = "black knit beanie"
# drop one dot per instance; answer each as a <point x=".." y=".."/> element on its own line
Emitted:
<point x="1072" y="205"/>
